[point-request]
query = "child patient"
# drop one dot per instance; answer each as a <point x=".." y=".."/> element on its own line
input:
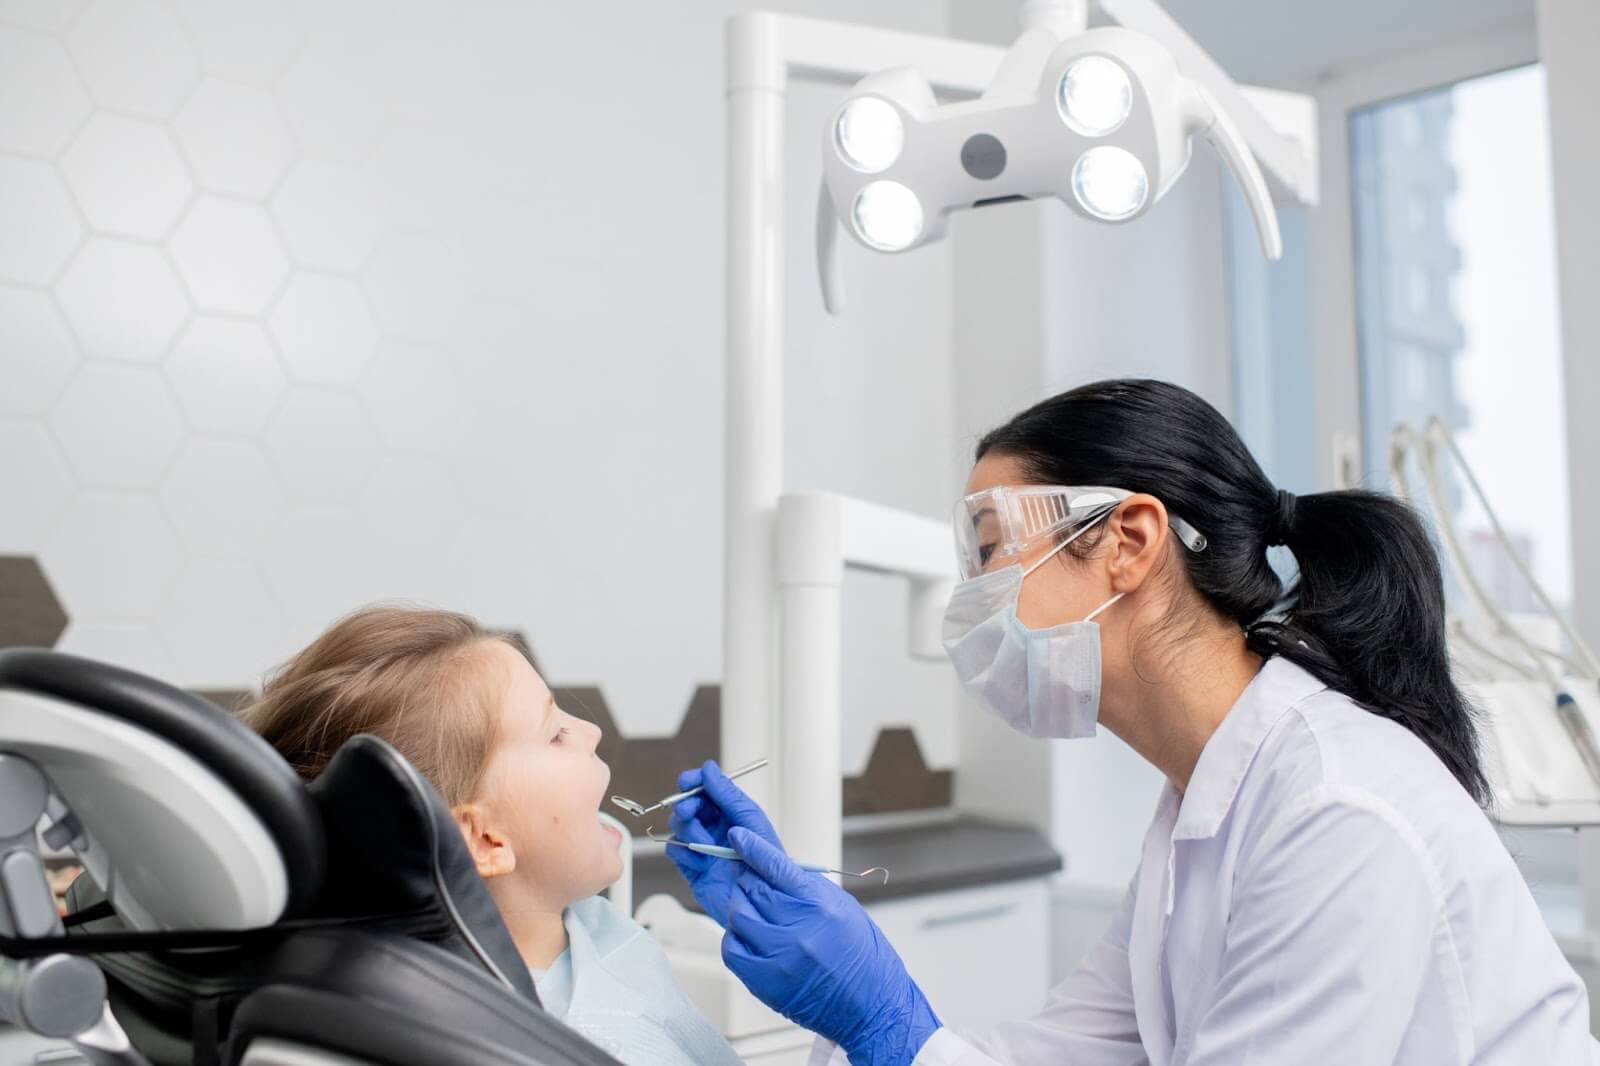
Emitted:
<point x="523" y="781"/>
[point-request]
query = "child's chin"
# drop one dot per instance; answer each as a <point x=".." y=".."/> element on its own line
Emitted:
<point x="607" y="872"/>
<point x="603" y="880"/>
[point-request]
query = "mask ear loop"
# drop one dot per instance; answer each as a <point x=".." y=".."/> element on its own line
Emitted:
<point x="1104" y="606"/>
<point x="1052" y="552"/>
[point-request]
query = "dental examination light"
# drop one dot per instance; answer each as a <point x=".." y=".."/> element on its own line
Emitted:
<point x="1102" y="119"/>
<point x="923" y="125"/>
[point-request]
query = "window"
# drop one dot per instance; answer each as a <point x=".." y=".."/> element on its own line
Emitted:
<point x="1456" y="303"/>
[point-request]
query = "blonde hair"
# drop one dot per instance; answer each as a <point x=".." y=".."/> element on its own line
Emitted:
<point x="406" y="674"/>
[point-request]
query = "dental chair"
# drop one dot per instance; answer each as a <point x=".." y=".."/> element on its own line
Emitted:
<point x="229" y="915"/>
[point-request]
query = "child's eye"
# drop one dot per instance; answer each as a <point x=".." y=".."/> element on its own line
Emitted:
<point x="559" y="734"/>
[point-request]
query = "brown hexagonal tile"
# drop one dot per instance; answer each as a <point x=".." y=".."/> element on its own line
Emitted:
<point x="30" y="614"/>
<point x="897" y="778"/>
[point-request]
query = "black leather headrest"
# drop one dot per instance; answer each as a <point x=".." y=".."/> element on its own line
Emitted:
<point x="227" y="747"/>
<point x="394" y="849"/>
<point x="395" y="1002"/>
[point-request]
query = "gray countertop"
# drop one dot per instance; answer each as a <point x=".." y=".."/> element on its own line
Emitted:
<point x="922" y="859"/>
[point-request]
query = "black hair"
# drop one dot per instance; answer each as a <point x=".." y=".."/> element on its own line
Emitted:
<point x="1366" y="615"/>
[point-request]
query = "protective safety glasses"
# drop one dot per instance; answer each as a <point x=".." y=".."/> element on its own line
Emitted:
<point x="996" y="525"/>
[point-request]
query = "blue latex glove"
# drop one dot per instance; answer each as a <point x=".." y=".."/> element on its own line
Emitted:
<point x="808" y="950"/>
<point x="706" y="819"/>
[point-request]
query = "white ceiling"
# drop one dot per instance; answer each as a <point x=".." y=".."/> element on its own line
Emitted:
<point x="1293" y="42"/>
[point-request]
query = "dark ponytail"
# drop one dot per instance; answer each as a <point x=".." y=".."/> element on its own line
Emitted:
<point x="1366" y="615"/>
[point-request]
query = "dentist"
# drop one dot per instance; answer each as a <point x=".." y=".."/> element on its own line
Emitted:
<point x="1319" y="884"/>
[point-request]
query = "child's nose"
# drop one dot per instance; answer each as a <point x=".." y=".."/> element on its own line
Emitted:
<point x="591" y="734"/>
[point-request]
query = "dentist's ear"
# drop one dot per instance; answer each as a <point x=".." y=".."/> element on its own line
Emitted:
<point x="1138" y="535"/>
<point x="491" y="849"/>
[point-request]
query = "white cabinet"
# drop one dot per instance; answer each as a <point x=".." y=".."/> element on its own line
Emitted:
<point x="982" y="955"/>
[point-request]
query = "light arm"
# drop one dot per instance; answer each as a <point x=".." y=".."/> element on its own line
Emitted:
<point x="1219" y="130"/>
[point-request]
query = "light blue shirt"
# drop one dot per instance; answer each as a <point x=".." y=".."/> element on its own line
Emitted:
<point x="614" y="985"/>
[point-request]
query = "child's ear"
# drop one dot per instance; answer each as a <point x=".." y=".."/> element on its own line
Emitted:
<point x="490" y="848"/>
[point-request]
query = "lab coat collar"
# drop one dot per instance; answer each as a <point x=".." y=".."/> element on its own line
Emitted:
<point x="1275" y="690"/>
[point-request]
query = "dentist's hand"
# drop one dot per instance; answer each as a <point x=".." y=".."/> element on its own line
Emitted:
<point x="706" y="819"/>
<point x="808" y="950"/>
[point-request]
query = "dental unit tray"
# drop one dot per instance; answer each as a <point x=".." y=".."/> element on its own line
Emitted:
<point x="1539" y="704"/>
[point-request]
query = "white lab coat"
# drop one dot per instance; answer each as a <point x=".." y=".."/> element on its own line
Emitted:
<point x="1324" y="893"/>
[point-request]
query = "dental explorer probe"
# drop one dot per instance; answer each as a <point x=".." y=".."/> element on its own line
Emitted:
<point x="639" y="810"/>
<point x="717" y="852"/>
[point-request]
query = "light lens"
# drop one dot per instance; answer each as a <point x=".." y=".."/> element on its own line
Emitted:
<point x="869" y="134"/>
<point x="1110" y="183"/>
<point x="888" y="216"/>
<point x="1095" y="96"/>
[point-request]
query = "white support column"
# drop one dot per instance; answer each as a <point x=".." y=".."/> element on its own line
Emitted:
<point x="763" y="51"/>
<point x="820" y="536"/>
<point x="1569" y="41"/>
<point x="754" y="397"/>
<point x="810" y="704"/>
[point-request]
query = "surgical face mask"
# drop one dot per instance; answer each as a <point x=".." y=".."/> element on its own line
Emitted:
<point x="1041" y="682"/>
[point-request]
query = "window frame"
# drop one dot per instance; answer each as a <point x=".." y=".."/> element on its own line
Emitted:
<point x="1334" y="308"/>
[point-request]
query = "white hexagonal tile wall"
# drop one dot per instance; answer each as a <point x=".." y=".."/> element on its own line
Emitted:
<point x="329" y="104"/>
<point x="331" y="214"/>
<point x="122" y="300"/>
<point x="418" y="283"/>
<point x="476" y="563"/>
<point x="319" y="562"/>
<point x="101" y="577"/>
<point x="413" y="397"/>
<point x="39" y="355"/>
<point x="50" y="16"/>
<point x="324" y="329"/>
<point x="226" y="375"/>
<point x="131" y="645"/>
<point x="39" y="228"/>
<point x="491" y="468"/>
<point x="135" y="56"/>
<point x="432" y="173"/>
<point x="45" y="101"/>
<point x="410" y="504"/>
<point x="34" y="482"/>
<point x="500" y="350"/>
<point x="249" y="41"/>
<point x="234" y="137"/>
<point x="221" y="496"/>
<point x="127" y="176"/>
<point x="230" y="256"/>
<point x="118" y="426"/>
<point x="224" y="627"/>
<point x="322" y="444"/>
